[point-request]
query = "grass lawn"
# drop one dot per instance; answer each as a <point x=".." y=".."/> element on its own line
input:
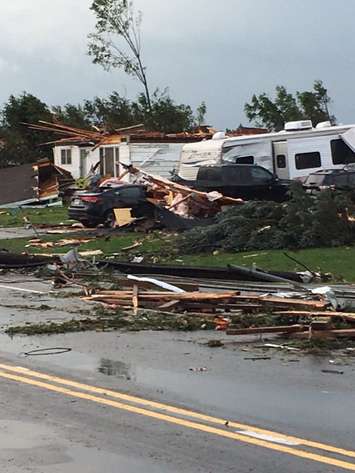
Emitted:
<point x="161" y="248"/>
<point x="48" y="215"/>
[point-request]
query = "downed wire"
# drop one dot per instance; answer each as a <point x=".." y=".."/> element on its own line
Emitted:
<point x="48" y="351"/>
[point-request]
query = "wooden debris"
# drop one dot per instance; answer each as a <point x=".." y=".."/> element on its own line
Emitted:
<point x="123" y="217"/>
<point x="37" y="243"/>
<point x="327" y="334"/>
<point x="229" y="306"/>
<point x="132" y="247"/>
<point x="135" y="302"/>
<point x="260" y="330"/>
<point x="348" y="316"/>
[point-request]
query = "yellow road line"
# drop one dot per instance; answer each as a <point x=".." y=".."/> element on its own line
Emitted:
<point x="183" y="423"/>
<point x="176" y="410"/>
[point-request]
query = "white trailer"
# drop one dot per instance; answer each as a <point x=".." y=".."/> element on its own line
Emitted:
<point x="293" y="153"/>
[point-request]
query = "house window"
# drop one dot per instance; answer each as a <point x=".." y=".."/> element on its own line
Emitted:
<point x="308" y="160"/>
<point x="245" y="160"/>
<point x="65" y="156"/>
<point x="281" y="161"/>
<point x="341" y="153"/>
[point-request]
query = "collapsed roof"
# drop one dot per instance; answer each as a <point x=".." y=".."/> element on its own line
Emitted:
<point x="137" y="133"/>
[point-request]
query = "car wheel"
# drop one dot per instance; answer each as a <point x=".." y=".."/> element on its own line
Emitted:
<point x="89" y="224"/>
<point x="110" y="219"/>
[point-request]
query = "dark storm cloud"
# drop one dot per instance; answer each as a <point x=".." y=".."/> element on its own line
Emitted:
<point x="219" y="52"/>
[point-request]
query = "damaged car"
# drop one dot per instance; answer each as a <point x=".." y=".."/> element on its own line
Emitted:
<point x="93" y="208"/>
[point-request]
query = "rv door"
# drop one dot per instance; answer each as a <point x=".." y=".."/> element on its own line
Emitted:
<point x="281" y="165"/>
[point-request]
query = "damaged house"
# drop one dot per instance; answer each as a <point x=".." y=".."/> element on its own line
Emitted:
<point x="40" y="183"/>
<point x="155" y="152"/>
<point x="78" y="151"/>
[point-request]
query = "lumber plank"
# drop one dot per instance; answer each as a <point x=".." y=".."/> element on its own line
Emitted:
<point x="257" y="330"/>
<point x="348" y="316"/>
<point x="135" y="301"/>
<point x="327" y="334"/>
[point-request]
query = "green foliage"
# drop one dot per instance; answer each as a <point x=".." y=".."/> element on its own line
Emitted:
<point x="21" y="144"/>
<point x="308" y="105"/>
<point x="112" y="112"/>
<point x="165" y="115"/>
<point x="116" y="112"/>
<point x="302" y="222"/>
<point x="72" y="115"/>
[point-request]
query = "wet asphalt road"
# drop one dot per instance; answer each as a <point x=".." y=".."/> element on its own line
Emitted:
<point x="49" y="425"/>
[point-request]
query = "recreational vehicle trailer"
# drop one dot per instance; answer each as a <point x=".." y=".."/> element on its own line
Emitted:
<point x="293" y="153"/>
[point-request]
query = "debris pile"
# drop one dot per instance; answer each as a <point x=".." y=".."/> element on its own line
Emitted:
<point x="181" y="200"/>
<point x="102" y="137"/>
<point x="288" y="308"/>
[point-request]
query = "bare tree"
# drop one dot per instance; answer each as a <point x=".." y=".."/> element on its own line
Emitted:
<point x="116" y="42"/>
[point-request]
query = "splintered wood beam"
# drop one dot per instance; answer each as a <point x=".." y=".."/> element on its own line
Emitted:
<point x="135" y="301"/>
<point x="348" y="316"/>
<point x="260" y="330"/>
<point x="327" y="334"/>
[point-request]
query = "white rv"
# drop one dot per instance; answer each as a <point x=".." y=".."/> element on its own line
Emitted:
<point x="293" y="153"/>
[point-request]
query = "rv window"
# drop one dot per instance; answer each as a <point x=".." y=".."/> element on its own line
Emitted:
<point x="281" y="161"/>
<point x="341" y="153"/>
<point x="308" y="160"/>
<point x="245" y="160"/>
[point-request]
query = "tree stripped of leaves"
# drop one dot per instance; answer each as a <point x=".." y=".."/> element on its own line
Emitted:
<point x="273" y="114"/>
<point x="201" y="113"/>
<point x="117" y="42"/>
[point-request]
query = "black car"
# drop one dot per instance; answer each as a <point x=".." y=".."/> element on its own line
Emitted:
<point x="93" y="208"/>
<point x="336" y="179"/>
<point x="246" y="181"/>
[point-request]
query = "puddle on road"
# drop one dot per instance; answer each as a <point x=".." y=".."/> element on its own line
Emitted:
<point x="160" y="380"/>
<point x="115" y="368"/>
<point x="165" y="370"/>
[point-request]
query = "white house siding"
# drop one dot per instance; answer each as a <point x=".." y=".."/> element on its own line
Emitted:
<point x="156" y="158"/>
<point x="75" y="167"/>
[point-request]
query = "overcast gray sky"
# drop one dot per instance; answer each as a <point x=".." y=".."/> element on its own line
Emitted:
<point x="221" y="52"/>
